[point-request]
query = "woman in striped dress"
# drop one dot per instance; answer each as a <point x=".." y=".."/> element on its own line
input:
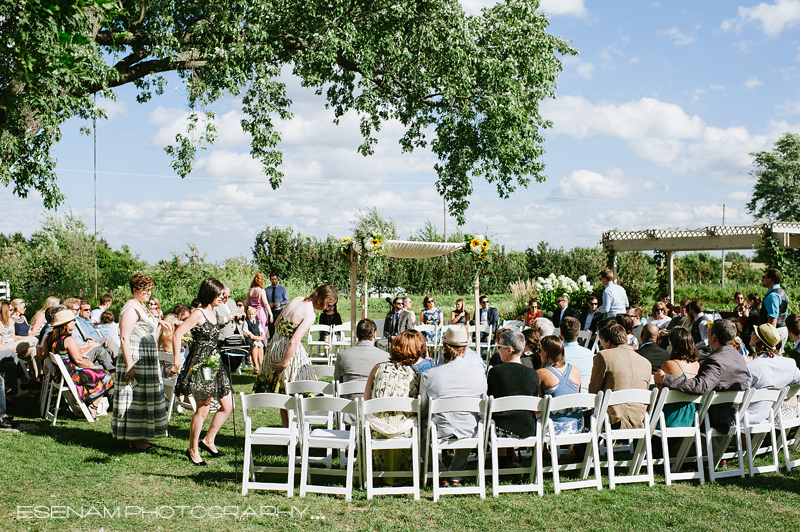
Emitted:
<point x="140" y="408"/>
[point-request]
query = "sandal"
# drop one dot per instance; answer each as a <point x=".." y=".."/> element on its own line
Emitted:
<point x="93" y="411"/>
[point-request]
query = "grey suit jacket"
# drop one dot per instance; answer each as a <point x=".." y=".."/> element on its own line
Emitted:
<point x="357" y="362"/>
<point x="403" y="324"/>
<point x="226" y="329"/>
<point x="723" y="370"/>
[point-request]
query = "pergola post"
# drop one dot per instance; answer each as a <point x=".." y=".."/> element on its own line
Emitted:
<point x="613" y="257"/>
<point x="671" y="271"/>
<point x="477" y="289"/>
<point x="353" y="293"/>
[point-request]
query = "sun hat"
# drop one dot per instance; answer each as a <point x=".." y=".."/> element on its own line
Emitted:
<point x="768" y="334"/>
<point x="62" y="317"/>
<point x="456" y="336"/>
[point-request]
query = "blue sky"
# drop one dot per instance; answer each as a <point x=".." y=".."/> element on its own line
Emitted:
<point x="653" y="124"/>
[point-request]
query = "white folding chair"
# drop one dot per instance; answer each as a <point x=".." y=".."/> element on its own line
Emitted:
<point x="346" y="389"/>
<point x="173" y="401"/>
<point x="494" y="443"/>
<point x="327" y="389"/>
<point x="279" y="436"/>
<point x="434" y="446"/>
<point x="643" y="449"/>
<point x="48" y="386"/>
<point x="585" y="401"/>
<point x="66" y="389"/>
<point x="584" y="337"/>
<point x="315" y="345"/>
<point x="686" y="435"/>
<point x="514" y="325"/>
<point x="344" y="440"/>
<point x="368" y="420"/>
<point x="737" y="400"/>
<point x="323" y="371"/>
<point x="425" y="329"/>
<point x="756" y="433"/>
<point x="340" y="337"/>
<point x="486" y="345"/>
<point x="786" y="425"/>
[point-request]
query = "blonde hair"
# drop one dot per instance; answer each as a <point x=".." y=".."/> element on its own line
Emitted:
<point x="16" y="303"/>
<point x="50" y="302"/>
<point x="165" y="336"/>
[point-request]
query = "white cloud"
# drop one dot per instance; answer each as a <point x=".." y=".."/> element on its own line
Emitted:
<point x="113" y="108"/>
<point x="753" y="82"/>
<point x="774" y="18"/>
<point x="789" y="108"/>
<point x="170" y="122"/>
<point x="586" y="184"/>
<point x="739" y="195"/>
<point x="716" y="87"/>
<point x="676" y="35"/>
<point x="664" y="134"/>
<point x="666" y="216"/>
<point x="573" y="8"/>
<point x="583" y="69"/>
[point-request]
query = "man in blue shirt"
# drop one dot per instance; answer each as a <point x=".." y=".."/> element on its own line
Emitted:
<point x="99" y="350"/>
<point x="615" y="299"/>
<point x="278" y="297"/>
<point x="574" y="354"/>
<point x="776" y="302"/>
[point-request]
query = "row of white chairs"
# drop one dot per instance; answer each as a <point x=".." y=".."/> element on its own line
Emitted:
<point x="603" y="443"/>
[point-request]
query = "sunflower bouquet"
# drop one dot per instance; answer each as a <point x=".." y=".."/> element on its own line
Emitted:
<point x="478" y="246"/>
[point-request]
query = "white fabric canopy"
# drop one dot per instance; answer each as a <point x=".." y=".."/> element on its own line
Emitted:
<point x="404" y="249"/>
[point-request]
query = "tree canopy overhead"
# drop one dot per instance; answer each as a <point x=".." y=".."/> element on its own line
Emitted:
<point x="776" y="193"/>
<point x="467" y="87"/>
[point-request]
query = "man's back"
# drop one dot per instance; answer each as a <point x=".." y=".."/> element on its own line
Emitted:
<point x="580" y="357"/>
<point x="621" y="368"/>
<point x="357" y="362"/>
<point x="458" y="378"/>
<point x="654" y="354"/>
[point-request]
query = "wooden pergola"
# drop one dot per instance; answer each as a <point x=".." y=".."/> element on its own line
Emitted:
<point x="719" y="237"/>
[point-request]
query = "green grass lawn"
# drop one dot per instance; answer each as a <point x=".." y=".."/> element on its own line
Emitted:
<point x="79" y="465"/>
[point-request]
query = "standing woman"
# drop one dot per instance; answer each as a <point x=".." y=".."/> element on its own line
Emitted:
<point x="202" y="323"/>
<point x="431" y="315"/>
<point x="460" y="314"/>
<point x="140" y="408"/>
<point x="257" y="299"/>
<point x="286" y="360"/>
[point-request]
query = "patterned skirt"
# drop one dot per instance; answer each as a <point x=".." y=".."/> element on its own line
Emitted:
<point x="140" y="409"/>
<point x="90" y="383"/>
<point x="299" y="368"/>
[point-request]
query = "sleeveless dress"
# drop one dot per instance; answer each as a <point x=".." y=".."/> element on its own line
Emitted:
<point x="569" y="421"/>
<point x="90" y="383"/>
<point x="299" y="368"/>
<point x="261" y="312"/>
<point x="140" y="409"/>
<point x="680" y="414"/>
<point x="204" y="342"/>
<point x="530" y="319"/>
<point x="433" y="317"/>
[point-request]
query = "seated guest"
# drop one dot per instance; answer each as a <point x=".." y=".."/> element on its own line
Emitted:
<point x="6" y="422"/>
<point x="545" y="327"/>
<point x="532" y="313"/>
<point x="659" y="316"/>
<point x="626" y="321"/>
<point x="407" y="308"/>
<point x="574" y="354"/>
<point x="563" y="309"/>
<point x="768" y="369"/>
<point x="154" y="306"/>
<point x="591" y="316"/>
<point x="255" y="337"/>
<point x="619" y="367"/>
<point x="91" y="381"/>
<point x="723" y="370"/>
<point x="38" y="321"/>
<point x="650" y="350"/>
<point x="397" y="320"/>
<point x="182" y="312"/>
<point x="107" y="326"/>
<point x="512" y="378"/>
<point x="164" y="340"/>
<point x="738" y="343"/>
<point x="793" y="324"/>
<point x="11" y="367"/>
<point x="15" y="333"/>
<point x="102" y="350"/>
<point x="635" y="312"/>
<point x="557" y="378"/>
<point x="330" y="317"/>
<point x="395" y="377"/>
<point x="460" y="314"/>
<point x="532" y="357"/>
<point x="105" y="304"/>
<point x="496" y="359"/>
<point x="455" y="378"/>
<point x="487" y="316"/>
<point x="356" y="363"/>
<point x="682" y="363"/>
<point x="697" y="323"/>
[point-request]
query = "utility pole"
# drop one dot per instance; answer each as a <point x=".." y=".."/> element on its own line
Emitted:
<point x="723" y="251"/>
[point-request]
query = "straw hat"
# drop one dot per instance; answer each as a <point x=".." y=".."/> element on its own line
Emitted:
<point x="456" y="336"/>
<point x="62" y="317"/>
<point x="768" y="334"/>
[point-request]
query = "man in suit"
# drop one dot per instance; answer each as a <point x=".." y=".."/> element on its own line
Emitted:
<point x="487" y="316"/>
<point x="356" y="363"/>
<point x="278" y="298"/>
<point x="591" y="316"/>
<point x="723" y="370"/>
<point x="649" y="349"/>
<point x="619" y="367"/>
<point x="397" y="320"/>
<point x="563" y="310"/>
